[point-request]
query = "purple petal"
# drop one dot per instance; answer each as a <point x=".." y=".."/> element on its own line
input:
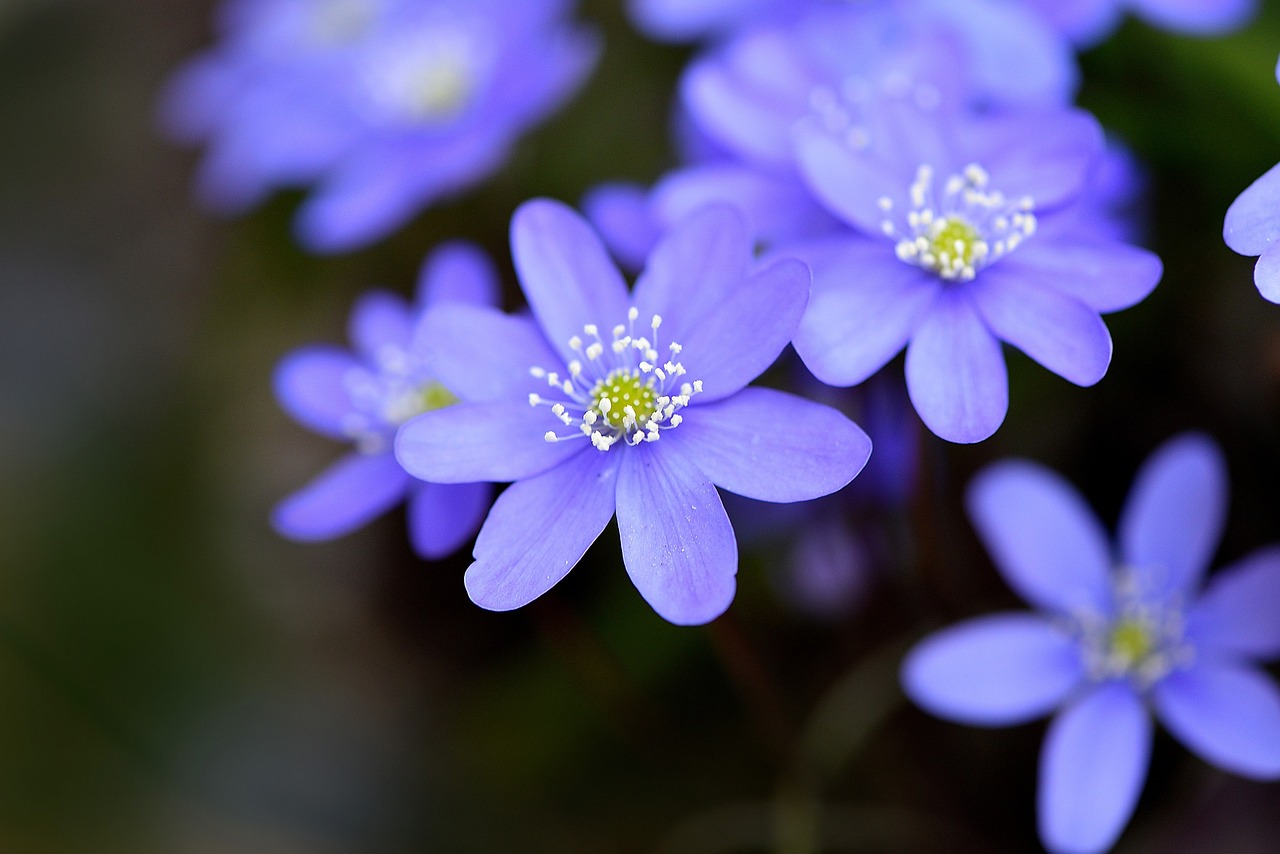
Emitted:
<point x="380" y="321"/>
<point x="495" y="441"/>
<point x="686" y="20"/>
<point x="1173" y="518"/>
<point x="1239" y="610"/>
<point x="730" y="347"/>
<point x="479" y="353"/>
<point x="1058" y="331"/>
<point x="863" y="308"/>
<point x="311" y="385"/>
<point x="443" y="516"/>
<point x="955" y="372"/>
<point x="623" y="216"/>
<point x="1046" y="155"/>
<point x="694" y="269"/>
<point x="993" y="671"/>
<point x="539" y="529"/>
<point x="1227" y="714"/>
<point x="1253" y="220"/>
<point x="1092" y="767"/>
<point x="566" y="273"/>
<point x="1044" y="539"/>
<point x="1266" y="273"/>
<point x="458" y="272"/>
<point x="776" y="207"/>
<point x="677" y="542"/>
<point x="772" y="446"/>
<point x="1198" y="17"/>
<point x="1105" y="276"/>
<point x="850" y="185"/>
<point x="350" y="493"/>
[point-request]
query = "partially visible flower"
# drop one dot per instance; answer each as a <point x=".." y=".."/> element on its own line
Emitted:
<point x="961" y="232"/>
<point x="363" y="396"/>
<point x="1124" y="634"/>
<point x="693" y="20"/>
<point x="1252" y="225"/>
<point x="1087" y="22"/>
<point x="633" y="403"/>
<point x="389" y="105"/>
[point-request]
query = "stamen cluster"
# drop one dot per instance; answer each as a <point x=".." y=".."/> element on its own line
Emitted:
<point x="965" y="228"/>
<point x="382" y="401"/>
<point x="618" y="391"/>
<point x="1143" y="642"/>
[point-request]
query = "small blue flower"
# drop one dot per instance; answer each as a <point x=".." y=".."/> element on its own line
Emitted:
<point x="1124" y="634"/>
<point x="387" y="105"/>
<point x="1252" y="225"/>
<point x="364" y="396"/>
<point x="961" y="231"/>
<point x="633" y="403"/>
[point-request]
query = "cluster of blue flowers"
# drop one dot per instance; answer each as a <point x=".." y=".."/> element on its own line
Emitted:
<point x="857" y="180"/>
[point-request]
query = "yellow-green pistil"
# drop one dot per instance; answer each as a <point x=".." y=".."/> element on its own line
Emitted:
<point x="954" y="243"/>
<point x="1131" y="642"/>
<point x="622" y="390"/>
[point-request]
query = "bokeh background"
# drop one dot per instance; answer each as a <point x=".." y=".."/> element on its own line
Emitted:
<point x="174" y="677"/>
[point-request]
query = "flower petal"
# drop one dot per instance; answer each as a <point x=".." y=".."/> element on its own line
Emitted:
<point x="458" y="271"/>
<point x="850" y="185"/>
<point x="863" y="307"/>
<point x="1044" y="539"/>
<point x="565" y="272"/>
<point x="479" y="353"/>
<point x="1239" y="610"/>
<point x="772" y="446"/>
<point x="380" y="320"/>
<point x="1174" y="515"/>
<point x="623" y="216"/>
<point x="1058" y="331"/>
<point x="733" y="345"/>
<point x="993" y="671"/>
<point x="443" y="516"/>
<point x="694" y="269"/>
<point x="1227" y="714"/>
<point x="1106" y="276"/>
<point x="1266" y="273"/>
<point x="1196" y="16"/>
<point x="350" y="493"/>
<point x="955" y="372"/>
<point x="1092" y="767"/>
<point x="1253" y="220"/>
<point x="677" y="542"/>
<point x="1044" y="154"/>
<point x="311" y="385"/>
<point x="493" y="441"/>
<point x="539" y="529"/>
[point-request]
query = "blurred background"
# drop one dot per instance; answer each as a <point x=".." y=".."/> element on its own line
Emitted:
<point x="175" y="677"/>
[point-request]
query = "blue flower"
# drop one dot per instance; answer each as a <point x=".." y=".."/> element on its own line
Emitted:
<point x="633" y="404"/>
<point x="1123" y="634"/>
<point x="961" y="231"/>
<point x="389" y="105"/>
<point x="1252" y="225"/>
<point x="363" y="397"/>
<point x="1087" y="22"/>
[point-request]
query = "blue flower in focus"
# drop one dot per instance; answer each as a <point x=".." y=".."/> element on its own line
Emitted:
<point x="1252" y="225"/>
<point x="363" y="396"/>
<point x="962" y="231"/>
<point x="386" y="105"/>
<point x="1124" y="634"/>
<point x="632" y="404"/>
<point x="1087" y="22"/>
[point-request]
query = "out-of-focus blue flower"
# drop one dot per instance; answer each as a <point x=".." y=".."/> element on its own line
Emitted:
<point x="962" y="231"/>
<point x="692" y="20"/>
<point x="387" y="105"/>
<point x="1087" y="22"/>
<point x="633" y="403"/>
<point x="1252" y="225"/>
<point x="1124" y="633"/>
<point x="365" y="395"/>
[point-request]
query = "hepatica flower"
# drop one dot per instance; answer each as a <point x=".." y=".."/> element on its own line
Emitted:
<point x="388" y="105"/>
<point x="363" y="396"/>
<point x="962" y="231"/>
<point x="1123" y="635"/>
<point x="607" y="402"/>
